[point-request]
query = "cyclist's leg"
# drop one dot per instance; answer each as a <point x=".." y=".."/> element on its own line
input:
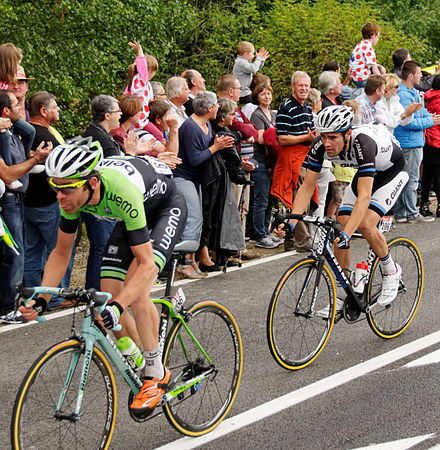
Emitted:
<point x="369" y="230"/>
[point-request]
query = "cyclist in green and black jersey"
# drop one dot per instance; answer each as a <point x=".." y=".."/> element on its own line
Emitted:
<point x="150" y="214"/>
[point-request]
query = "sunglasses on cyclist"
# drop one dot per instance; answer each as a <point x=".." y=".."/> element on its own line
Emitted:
<point x="66" y="189"/>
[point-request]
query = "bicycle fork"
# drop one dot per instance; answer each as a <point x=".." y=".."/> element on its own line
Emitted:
<point x="307" y="281"/>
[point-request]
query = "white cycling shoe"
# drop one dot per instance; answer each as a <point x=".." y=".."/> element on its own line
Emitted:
<point x="324" y="312"/>
<point x="390" y="287"/>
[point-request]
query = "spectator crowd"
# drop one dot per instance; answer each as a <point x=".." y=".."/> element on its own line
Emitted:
<point x="234" y="155"/>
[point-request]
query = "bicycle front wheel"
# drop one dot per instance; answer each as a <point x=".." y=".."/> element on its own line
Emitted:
<point x="34" y="424"/>
<point x="389" y="321"/>
<point x="198" y="410"/>
<point x="296" y="333"/>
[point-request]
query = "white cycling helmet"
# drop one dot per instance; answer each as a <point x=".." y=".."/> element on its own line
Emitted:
<point x="335" y="119"/>
<point x="76" y="158"/>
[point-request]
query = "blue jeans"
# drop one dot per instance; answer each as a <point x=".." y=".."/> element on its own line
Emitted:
<point x="98" y="232"/>
<point x="261" y="205"/>
<point x="11" y="265"/>
<point x="405" y="205"/>
<point x="194" y="221"/>
<point x="40" y="238"/>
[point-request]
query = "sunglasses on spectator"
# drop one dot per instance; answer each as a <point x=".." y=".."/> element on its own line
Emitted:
<point x="66" y="189"/>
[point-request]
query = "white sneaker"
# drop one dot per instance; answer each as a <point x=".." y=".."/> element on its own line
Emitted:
<point x="13" y="317"/>
<point x="324" y="312"/>
<point x="390" y="287"/>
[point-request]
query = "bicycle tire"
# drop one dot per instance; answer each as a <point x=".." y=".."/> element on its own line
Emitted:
<point x="296" y="339"/>
<point x="389" y="321"/>
<point x="198" y="413"/>
<point x="33" y="423"/>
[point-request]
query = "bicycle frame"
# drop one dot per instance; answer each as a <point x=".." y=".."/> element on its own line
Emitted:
<point x="92" y="334"/>
<point x="324" y="252"/>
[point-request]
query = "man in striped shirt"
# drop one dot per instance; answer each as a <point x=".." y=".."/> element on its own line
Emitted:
<point x="295" y="132"/>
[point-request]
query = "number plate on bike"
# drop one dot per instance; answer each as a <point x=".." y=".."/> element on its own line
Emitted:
<point x="385" y="224"/>
<point x="178" y="300"/>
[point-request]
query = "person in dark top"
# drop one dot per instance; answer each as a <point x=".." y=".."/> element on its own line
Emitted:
<point x="105" y="117"/>
<point x="196" y="84"/>
<point x="196" y="145"/>
<point x="41" y="210"/>
<point x="16" y="160"/>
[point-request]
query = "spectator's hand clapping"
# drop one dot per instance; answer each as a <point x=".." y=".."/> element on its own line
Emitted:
<point x="136" y="45"/>
<point x="170" y="159"/>
<point x="5" y="123"/>
<point x="42" y="152"/>
<point x="412" y="108"/>
<point x="263" y="53"/>
<point x="145" y="145"/>
<point x="131" y="143"/>
<point x="248" y="166"/>
<point x="436" y="118"/>
<point x="221" y="142"/>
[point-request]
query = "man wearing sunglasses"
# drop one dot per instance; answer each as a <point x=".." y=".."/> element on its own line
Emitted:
<point x="150" y="214"/>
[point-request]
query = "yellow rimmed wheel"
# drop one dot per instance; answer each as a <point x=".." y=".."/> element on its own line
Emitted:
<point x="200" y="409"/>
<point x="296" y="332"/>
<point x="391" y="320"/>
<point x="35" y="423"/>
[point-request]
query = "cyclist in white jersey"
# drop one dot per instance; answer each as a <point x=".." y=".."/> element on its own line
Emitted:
<point x="150" y="214"/>
<point x="381" y="177"/>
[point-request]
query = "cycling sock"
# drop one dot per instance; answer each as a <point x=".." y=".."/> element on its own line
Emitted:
<point x="388" y="266"/>
<point x="153" y="364"/>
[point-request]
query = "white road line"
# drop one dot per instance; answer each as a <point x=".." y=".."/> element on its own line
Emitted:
<point x="431" y="358"/>
<point x="305" y="393"/>
<point x="401" y="444"/>
<point x="255" y="262"/>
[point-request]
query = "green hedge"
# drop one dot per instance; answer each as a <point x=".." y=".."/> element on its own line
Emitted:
<point x="78" y="49"/>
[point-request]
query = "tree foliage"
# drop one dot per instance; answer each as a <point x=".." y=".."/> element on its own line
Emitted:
<point x="77" y="49"/>
<point x="304" y="35"/>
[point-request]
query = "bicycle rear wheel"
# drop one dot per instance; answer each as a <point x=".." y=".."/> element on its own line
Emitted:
<point x="389" y="321"/>
<point x="296" y="334"/>
<point x="33" y="422"/>
<point x="198" y="411"/>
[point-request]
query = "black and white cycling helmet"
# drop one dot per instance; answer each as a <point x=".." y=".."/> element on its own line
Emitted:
<point x="76" y="158"/>
<point x="335" y="119"/>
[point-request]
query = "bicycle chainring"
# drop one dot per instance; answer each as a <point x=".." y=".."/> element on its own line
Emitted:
<point x="350" y="315"/>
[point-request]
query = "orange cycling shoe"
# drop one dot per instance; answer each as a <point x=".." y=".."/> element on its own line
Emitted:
<point x="150" y="394"/>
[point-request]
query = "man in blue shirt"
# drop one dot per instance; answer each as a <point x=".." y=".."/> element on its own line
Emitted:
<point x="411" y="138"/>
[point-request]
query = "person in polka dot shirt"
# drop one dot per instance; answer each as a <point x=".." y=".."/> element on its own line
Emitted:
<point x="139" y="76"/>
<point x="363" y="58"/>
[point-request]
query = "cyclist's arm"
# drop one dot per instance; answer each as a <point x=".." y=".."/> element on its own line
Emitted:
<point x="304" y="194"/>
<point x="364" y="188"/>
<point x="55" y="269"/>
<point x="144" y="275"/>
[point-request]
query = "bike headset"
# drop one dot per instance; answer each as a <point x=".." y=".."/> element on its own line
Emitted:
<point x="76" y="158"/>
<point x="336" y="119"/>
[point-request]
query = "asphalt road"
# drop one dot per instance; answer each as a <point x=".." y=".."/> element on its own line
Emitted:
<point x="360" y="391"/>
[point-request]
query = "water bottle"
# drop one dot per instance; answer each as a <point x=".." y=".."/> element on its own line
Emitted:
<point x="131" y="353"/>
<point x="360" y="277"/>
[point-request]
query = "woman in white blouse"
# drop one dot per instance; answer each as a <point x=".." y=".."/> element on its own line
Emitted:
<point x="389" y="110"/>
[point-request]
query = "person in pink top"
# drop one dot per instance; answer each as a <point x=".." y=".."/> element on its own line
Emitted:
<point x="363" y="58"/>
<point x="140" y="73"/>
